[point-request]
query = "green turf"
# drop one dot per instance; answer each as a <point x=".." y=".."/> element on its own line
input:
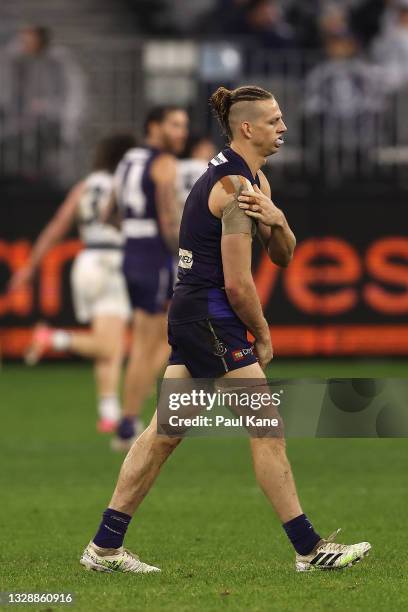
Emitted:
<point x="205" y="523"/>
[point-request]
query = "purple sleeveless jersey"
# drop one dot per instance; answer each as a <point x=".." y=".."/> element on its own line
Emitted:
<point x="136" y="195"/>
<point x="147" y="262"/>
<point x="199" y="292"/>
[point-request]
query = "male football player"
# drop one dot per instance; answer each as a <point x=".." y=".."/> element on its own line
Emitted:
<point x="214" y="304"/>
<point x="98" y="287"/>
<point x="146" y="196"/>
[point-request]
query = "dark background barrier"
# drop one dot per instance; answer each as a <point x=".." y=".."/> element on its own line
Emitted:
<point x="345" y="292"/>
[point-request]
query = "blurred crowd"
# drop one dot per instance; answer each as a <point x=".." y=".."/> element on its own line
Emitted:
<point x="340" y="29"/>
<point x="42" y="101"/>
<point x="359" y="51"/>
<point x="279" y="24"/>
<point x="376" y="30"/>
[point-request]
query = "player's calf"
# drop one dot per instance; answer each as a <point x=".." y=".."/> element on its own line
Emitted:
<point x="137" y="475"/>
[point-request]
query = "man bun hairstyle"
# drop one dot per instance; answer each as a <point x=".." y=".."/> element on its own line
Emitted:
<point x="223" y="99"/>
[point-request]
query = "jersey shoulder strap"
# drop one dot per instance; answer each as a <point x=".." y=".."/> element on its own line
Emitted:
<point x="229" y="163"/>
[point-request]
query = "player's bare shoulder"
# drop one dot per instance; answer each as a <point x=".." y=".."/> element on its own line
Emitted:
<point x="224" y="204"/>
<point x="227" y="189"/>
<point x="164" y="168"/>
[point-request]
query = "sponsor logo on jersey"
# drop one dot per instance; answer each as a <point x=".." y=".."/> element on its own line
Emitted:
<point x="186" y="258"/>
<point x="239" y="354"/>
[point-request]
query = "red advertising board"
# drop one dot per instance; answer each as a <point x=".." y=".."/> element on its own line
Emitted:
<point x="344" y="293"/>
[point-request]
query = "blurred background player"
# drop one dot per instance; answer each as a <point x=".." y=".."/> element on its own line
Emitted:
<point x="98" y="288"/>
<point x="199" y="151"/>
<point x="146" y="195"/>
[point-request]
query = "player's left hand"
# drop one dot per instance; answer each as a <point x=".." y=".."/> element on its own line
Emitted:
<point x="257" y="205"/>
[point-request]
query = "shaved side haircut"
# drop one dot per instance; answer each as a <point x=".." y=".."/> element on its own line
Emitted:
<point x="231" y="105"/>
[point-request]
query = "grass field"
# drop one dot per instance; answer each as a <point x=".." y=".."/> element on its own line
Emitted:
<point x="205" y="524"/>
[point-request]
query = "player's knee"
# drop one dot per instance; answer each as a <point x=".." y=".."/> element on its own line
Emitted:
<point x="164" y="445"/>
<point x="274" y="444"/>
<point x="161" y="444"/>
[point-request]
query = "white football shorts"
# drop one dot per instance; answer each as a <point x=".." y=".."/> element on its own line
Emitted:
<point x="98" y="285"/>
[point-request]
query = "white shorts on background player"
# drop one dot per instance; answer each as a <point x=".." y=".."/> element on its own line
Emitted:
<point x="98" y="285"/>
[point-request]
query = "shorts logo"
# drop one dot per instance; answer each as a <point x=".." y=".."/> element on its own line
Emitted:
<point x="186" y="259"/>
<point x="239" y="354"/>
<point x="219" y="348"/>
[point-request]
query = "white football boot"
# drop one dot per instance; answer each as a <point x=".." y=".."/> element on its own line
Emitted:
<point x="113" y="560"/>
<point x="328" y="555"/>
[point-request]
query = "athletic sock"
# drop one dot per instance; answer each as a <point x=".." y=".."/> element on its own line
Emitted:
<point x="112" y="529"/>
<point x="126" y="428"/>
<point x="302" y="535"/>
<point x="109" y="408"/>
<point x="60" y="340"/>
